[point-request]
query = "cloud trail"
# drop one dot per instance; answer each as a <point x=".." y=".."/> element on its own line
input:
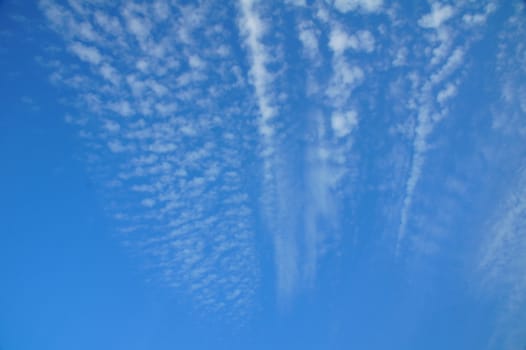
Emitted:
<point x="446" y="61"/>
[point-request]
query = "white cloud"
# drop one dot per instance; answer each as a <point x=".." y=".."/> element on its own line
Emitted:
<point x="287" y="267"/>
<point x="364" y="41"/>
<point x="80" y="121"/>
<point x="166" y="108"/>
<point x="174" y="181"/>
<point x="423" y="129"/>
<point x="122" y="107"/>
<point x="109" y="73"/>
<point x="196" y="62"/>
<point x="439" y="14"/>
<point x="253" y="30"/>
<point x="137" y="25"/>
<point x="77" y="6"/>
<point x="430" y="96"/>
<point x="502" y="262"/>
<point x="401" y="57"/>
<point x="276" y="194"/>
<point x="473" y="19"/>
<point x="110" y="25"/>
<point x="508" y="113"/>
<point x="344" y="78"/>
<point x="340" y="41"/>
<point x="85" y="31"/>
<point x="162" y="10"/>
<point x="111" y="126"/>
<point x="448" y="92"/>
<point x="297" y="2"/>
<point x="444" y="36"/>
<point x="86" y="53"/>
<point x="142" y="65"/>
<point x="56" y="14"/>
<point x="343" y="123"/>
<point x="452" y="63"/>
<point x="351" y="5"/>
<point x="116" y="146"/>
<point x="178" y="179"/>
<point x="309" y="40"/>
<point x="162" y="147"/>
<point x="148" y="202"/>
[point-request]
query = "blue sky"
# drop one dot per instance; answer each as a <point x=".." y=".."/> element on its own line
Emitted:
<point x="299" y="174"/>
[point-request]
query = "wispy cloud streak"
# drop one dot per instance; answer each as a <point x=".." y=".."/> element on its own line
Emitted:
<point x="277" y="192"/>
<point x="253" y="28"/>
<point x="501" y="263"/>
<point x="433" y="92"/>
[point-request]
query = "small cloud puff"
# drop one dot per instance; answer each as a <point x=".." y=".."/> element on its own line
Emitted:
<point x="438" y="15"/>
<point x="86" y="53"/>
<point x="343" y="123"/>
<point x="340" y="41"/>
<point x="448" y="92"/>
<point x="122" y="108"/>
<point x="364" y="5"/>
<point x="296" y="2"/>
